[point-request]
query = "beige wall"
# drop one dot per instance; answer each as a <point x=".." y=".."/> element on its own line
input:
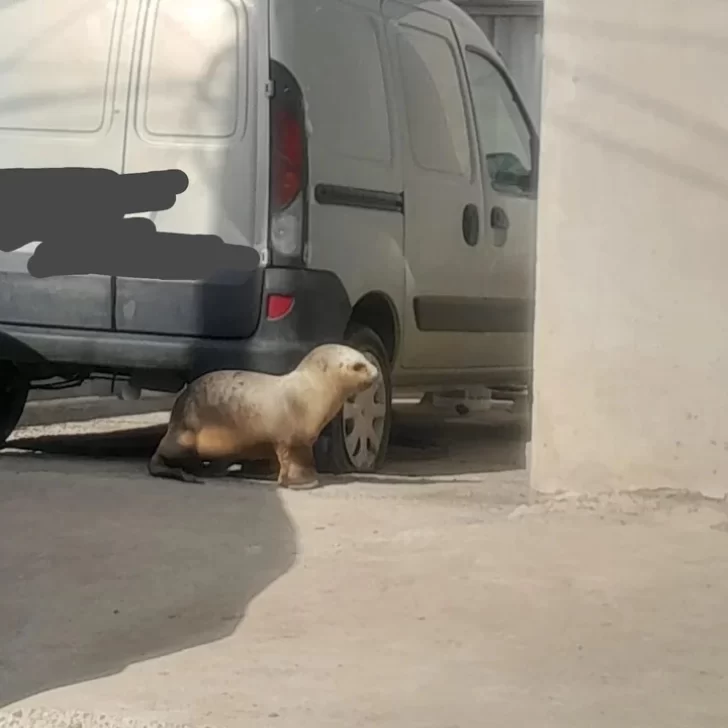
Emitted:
<point x="631" y="351"/>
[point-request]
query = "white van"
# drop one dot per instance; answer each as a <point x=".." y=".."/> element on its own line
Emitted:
<point x="374" y="152"/>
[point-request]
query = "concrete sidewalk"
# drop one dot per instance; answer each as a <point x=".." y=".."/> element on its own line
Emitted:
<point x="437" y="595"/>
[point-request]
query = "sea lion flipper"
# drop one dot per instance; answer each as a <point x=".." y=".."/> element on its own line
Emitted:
<point x="159" y="469"/>
<point x="303" y="484"/>
<point x="298" y="468"/>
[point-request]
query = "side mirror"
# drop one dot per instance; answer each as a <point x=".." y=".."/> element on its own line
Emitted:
<point x="507" y="171"/>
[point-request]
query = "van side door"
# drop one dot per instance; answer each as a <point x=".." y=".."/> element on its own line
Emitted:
<point x="443" y="196"/>
<point x="508" y="155"/>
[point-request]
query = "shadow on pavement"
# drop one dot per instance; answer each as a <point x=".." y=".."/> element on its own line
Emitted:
<point x="126" y="444"/>
<point x="424" y="446"/>
<point x="420" y="446"/>
<point x="103" y="570"/>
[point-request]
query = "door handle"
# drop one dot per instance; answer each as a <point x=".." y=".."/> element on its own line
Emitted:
<point x="471" y="224"/>
<point x="499" y="219"/>
<point x="500" y="223"/>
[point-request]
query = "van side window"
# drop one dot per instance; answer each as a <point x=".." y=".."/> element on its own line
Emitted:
<point x="434" y="102"/>
<point x="504" y="137"/>
<point x="196" y="73"/>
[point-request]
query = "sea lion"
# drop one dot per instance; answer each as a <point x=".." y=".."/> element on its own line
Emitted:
<point x="228" y="416"/>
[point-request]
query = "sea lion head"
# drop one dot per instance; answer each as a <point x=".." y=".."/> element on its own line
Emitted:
<point x="353" y="370"/>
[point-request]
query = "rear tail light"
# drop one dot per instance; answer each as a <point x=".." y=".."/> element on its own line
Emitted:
<point x="288" y="223"/>
<point x="278" y="306"/>
<point x="287" y="159"/>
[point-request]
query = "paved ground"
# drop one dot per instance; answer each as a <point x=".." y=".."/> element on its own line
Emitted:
<point x="436" y="596"/>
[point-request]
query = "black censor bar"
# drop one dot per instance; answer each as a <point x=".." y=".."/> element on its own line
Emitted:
<point x="77" y="215"/>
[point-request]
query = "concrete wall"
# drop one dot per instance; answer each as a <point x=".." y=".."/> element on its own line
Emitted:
<point x="631" y="350"/>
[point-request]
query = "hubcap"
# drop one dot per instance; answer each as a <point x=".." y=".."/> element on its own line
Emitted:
<point x="364" y="417"/>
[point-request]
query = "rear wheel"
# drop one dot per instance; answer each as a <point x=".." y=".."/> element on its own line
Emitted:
<point x="14" y="390"/>
<point x="356" y="439"/>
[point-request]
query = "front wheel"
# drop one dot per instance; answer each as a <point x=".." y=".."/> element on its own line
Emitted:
<point x="14" y="390"/>
<point x="356" y="439"/>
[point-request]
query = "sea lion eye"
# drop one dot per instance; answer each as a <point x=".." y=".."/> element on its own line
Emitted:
<point x="358" y="367"/>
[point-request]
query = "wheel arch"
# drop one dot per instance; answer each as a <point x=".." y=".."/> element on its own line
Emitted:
<point x="376" y="310"/>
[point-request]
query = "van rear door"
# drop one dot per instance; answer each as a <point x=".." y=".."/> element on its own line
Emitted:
<point x="64" y="67"/>
<point x="198" y="104"/>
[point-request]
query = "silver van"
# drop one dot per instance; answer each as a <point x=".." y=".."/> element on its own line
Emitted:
<point x="374" y="152"/>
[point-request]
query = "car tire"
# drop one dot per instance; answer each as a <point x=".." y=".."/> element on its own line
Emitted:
<point x="334" y="450"/>
<point x="14" y="389"/>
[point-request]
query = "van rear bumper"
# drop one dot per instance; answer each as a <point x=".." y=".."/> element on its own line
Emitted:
<point x="319" y="315"/>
